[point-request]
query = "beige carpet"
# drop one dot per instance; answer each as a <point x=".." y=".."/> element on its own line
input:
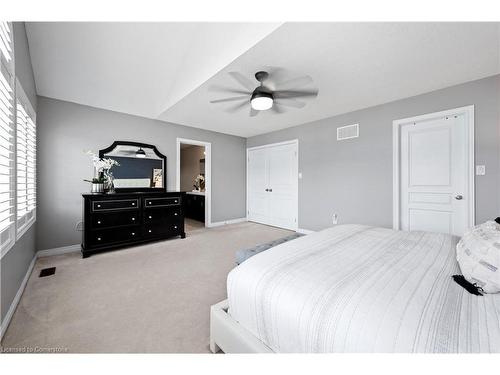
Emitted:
<point x="190" y="225"/>
<point x="151" y="298"/>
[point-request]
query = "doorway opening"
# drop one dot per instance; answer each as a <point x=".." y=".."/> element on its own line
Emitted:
<point x="193" y="177"/>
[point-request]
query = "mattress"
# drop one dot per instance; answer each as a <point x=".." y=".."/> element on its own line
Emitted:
<point x="354" y="288"/>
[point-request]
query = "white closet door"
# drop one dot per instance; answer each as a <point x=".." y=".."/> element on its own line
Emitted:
<point x="433" y="176"/>
<point x="258" y="202"/>
<point x="282" y="166"/>
<point x="272" y="185"/>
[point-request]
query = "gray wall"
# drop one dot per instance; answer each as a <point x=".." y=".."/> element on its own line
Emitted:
<point x="66" y="129"/>
<point x="15" y="263"/>
<point x="190" y="165"/>
<point x="354" y="177"/>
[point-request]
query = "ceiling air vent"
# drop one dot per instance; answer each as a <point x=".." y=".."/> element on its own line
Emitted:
<point x="347" y="132"/>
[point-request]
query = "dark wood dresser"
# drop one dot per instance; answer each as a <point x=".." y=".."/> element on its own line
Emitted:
<point x="122" y="219"/>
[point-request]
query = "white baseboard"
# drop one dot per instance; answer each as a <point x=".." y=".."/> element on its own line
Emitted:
<point x="304" y="231"/>
<point x="58" y="251"/>
<point x="232" y="221"/>
<point x="17" y="298"/>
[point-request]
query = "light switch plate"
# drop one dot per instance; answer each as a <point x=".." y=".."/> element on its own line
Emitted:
<point x="480" y="170"/>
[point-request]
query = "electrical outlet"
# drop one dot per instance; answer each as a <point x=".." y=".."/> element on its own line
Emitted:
<point x="335" y="219"/>
<point x="480" y="170"/>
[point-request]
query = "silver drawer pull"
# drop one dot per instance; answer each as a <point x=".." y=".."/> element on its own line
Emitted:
<point x="98" y="222"/>
<point x="151" y="217"/>
<point x="133" y="204"/>
<point x="175" y="214"/>
<point x="98" y="206"/>
<point x="98" y="238"/>
<point x="175" y="226"/>
<point x="149" y="231"/>
<point x="149" y="202"/>
<point x="133" y="219"/>
<point x="175" y="201"/>
<point x="133" y="234"/>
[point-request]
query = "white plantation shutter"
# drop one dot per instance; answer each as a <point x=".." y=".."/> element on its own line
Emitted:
<point x="7" y="140"/>
<point x="6" y="41"/>
<point x="25" y="165"/>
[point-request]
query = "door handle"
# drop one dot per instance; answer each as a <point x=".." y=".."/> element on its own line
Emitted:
<point x="458" y="197"/>
<point x="270" y="190"/>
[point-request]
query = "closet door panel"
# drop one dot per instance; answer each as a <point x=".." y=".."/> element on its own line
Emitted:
<point x="258" y="196"/>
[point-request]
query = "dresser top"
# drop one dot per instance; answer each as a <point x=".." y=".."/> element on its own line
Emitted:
<point x="136" y="193"/>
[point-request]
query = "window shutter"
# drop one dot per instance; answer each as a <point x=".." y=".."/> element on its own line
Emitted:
<point x="7" y="146"/>
<point x="6" y="41"/>
<point x="26" y="161"/>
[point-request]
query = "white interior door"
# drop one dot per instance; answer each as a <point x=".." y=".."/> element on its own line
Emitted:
<point x="433" y="175"/>
<point x="273" y="185"/>
<point x="258" y="203"/>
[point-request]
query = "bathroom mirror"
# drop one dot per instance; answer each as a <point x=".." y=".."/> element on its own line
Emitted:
<point x="141" y="166"/>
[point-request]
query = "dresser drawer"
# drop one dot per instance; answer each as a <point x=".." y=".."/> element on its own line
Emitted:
<point x="115" y="219"/>
<point x="110" y="236"/>
<point x="162" y="202"/>
<point x="162" y="215"/>
<point x="172" y="228"/>
<point x="118" y="204"/>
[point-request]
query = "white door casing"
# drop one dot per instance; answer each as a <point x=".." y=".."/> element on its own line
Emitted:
<point x="272" y="184"/>
<point x="433" y="172"/>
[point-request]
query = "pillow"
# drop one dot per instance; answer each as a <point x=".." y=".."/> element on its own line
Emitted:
<point x="478" y="254"/>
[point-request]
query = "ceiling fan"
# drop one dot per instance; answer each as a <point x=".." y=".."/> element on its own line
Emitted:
<point x="138" y="153"/>
<point x="270" y="94"/>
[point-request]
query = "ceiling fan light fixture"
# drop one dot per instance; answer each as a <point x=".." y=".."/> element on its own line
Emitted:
<point x="261" y="101"/>
<point x="140" y="153"/>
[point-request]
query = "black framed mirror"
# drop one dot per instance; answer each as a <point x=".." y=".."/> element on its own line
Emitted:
<point x="141" y="167"/>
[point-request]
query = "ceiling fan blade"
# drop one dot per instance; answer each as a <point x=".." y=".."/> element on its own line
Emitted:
<point x="277" y="108"/>
<point x="231" y="99"/>
<point x="294" y="83"/>
<point x="253" y="112"/>
<point x="294" y="93"/>
<point x="289" y="102"/>
<point x="237" y="107"/>
<point x="243" y="81"/>
<point x="276" y="75"/>
<point x="218" y="88"/>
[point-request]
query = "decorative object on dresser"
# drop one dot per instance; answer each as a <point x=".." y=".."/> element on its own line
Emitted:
<point x="103" y="182"/>
<point x="141" y="210"/>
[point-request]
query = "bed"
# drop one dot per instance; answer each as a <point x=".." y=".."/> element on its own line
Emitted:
<point x="355" y="288"/>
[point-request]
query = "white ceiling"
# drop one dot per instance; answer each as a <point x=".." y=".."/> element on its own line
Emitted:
<point x="165" y="70"/>
<point x="136" y="68"/>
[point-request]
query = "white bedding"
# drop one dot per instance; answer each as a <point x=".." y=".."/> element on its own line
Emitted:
<point x="353" y="288"/>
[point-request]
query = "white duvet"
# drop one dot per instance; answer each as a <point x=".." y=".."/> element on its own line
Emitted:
<point x="354" y="288"/>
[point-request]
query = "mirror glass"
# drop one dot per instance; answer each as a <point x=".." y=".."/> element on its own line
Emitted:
<point x="139" y="167"/>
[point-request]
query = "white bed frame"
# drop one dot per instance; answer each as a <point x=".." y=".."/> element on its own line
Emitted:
<point x="227" y="335"/>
